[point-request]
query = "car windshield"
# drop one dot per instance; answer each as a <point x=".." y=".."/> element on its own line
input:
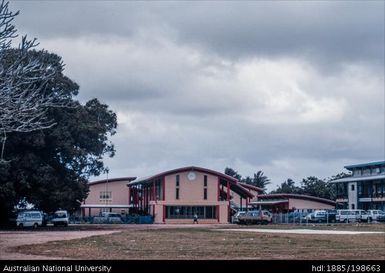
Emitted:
<point x="60" y="215"/>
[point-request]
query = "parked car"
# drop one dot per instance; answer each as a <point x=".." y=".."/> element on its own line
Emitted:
<point x="381" y="217"/>
<point x="60" y="217"/>
<point x="113" y="218"/>
<point x="108" y="218"/>
<point x="297" y="217"/>
<point x="322" y="216"/>
<point x="370" y="215"/>
<point x="255" y="217"/>
<point x="349" y="215"/>
<point x="317" y="216"/>
<point x="236" y="216"/>
<point x="33" y="218"/>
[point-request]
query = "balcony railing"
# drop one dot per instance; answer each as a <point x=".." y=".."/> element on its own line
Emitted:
<point x="373" y="195"/>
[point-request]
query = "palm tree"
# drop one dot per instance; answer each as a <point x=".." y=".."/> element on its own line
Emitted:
<point x="260" y="180"/>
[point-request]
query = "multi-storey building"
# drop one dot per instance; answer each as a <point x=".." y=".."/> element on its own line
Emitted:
<point x="364" y="189"/>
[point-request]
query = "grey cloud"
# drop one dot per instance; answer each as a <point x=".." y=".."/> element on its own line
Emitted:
<point x="329" y="33"/>
<point x="173" y="72"/>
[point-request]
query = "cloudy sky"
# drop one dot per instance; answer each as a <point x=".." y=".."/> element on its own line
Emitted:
<point x="290" y="88"/>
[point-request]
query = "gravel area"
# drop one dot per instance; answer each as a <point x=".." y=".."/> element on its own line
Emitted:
<point x="17" y="238"/>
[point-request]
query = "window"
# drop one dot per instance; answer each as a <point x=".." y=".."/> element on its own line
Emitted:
<point x="205" y="193"/>
<point x="177" y="186"/>
<point x="187" y="212"/>
<point x="352" y="187"/>
<point x="353" y="206"/>
<point x="105" y="195"/>
<point x="205" y="181"/>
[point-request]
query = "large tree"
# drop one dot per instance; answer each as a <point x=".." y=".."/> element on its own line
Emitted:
<point x="49" y="168"/>
<point x="231" y="172"/>
<point x="259" y="180"/>
<point x="23" y="77"/>
<point x="316" y="187"/>
<point x="288" y="187"/>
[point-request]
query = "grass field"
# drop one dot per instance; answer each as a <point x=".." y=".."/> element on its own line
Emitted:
<point x="208" y="243"/>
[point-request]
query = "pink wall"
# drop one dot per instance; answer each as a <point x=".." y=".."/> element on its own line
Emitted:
<point x="191" y="191"/>
<point x="119" y="191"/>
<point x="307" y="204"/>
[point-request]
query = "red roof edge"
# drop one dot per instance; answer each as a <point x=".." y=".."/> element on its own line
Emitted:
<point x="251" y="187"/>
<point x="298" y="196"/>
<point x="118" y="179"/>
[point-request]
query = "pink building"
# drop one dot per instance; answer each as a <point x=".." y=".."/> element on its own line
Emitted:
<point x="175" y="196"/>
<point x="284" y="202"/>
<point x="108" y="195"/>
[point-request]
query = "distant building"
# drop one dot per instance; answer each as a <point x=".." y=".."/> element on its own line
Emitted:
<point x="108" y="195"/>
<point x="285" y="202"/>
<point x="175" y="196"/>
<point x="364" y="189"/>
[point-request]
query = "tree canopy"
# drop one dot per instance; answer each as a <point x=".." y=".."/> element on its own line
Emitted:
<point x="259" y="179"/>
<point x="23" y="79"/>
<point x="50" y="167"/>
<point x="288" y="187"/>
<point x="54" y="143"/>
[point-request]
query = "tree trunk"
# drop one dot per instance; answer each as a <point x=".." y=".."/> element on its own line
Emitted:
<point x="4" y="139"/>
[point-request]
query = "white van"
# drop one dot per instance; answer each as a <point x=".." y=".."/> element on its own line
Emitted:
<point x="370" y="215"/>
<point x="60" y="217"/>
<point x="33" y="218"/>
<point x="349" y="215"/>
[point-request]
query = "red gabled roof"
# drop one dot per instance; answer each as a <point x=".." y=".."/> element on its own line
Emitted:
<point x="251" y="187"/>
<point x="296" y="196"/>
<point x="184" y="169"/>
<point x="119" y="179"/>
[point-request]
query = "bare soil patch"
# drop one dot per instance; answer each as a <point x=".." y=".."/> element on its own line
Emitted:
<point x="206" y="243"/>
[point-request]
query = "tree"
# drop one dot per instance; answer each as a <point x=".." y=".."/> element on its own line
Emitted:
<point x="50" y="168"/>
<point x="23" y="76"/>
<point x="288" y="187"/>
<point x="233" y="173"/>
<point x="317" y="187"/>
<point x="259" y="180"/>
<point x="337" y="187"/>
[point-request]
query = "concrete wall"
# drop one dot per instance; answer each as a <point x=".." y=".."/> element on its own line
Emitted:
<point x="119" y="196"/>
<point x="352" y="195"/>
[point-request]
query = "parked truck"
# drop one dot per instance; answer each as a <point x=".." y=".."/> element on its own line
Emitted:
<point x="259" y="217"/>
<point x="60" y="217"/>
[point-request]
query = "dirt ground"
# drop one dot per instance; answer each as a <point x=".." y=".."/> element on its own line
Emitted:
<point x="200" y="242"/>
<point x="23" y="239"/>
